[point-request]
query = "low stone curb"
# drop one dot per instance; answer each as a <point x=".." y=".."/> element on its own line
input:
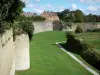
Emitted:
<point x="75" y="58"/>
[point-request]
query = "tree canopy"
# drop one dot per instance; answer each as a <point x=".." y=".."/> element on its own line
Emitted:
<point x="9" y="11"/>
<point x="77" y="16"/>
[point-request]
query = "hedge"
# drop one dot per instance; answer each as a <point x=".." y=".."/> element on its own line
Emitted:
<point x="82" y="48"/>
<point x="23" y="27"/>
<point x="57" y="25"/>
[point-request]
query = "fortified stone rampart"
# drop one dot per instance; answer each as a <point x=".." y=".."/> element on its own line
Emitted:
<point x="22" y="60"/>
<point x="13" y="55"/>
<point x="6" y="52"/>
<point x="42" y="26"/>
<point x="84" y="26"/>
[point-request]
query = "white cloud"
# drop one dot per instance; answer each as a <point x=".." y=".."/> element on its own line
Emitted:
<point x="33" y="7"/>
<point x="92" y="8"/>
<point x="90" y="1"/>
<point x="49" y="5"/>
<point x="30" y="5"/>
<point x="26" y="1"/>
<point x="74" y="6"/>
<point x="39" y="10"/>
<point x="82" y="0"/>
<point x="37" y="0"/>
<point x="61" y="8"/>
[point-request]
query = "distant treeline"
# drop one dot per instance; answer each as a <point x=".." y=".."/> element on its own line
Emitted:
<point x="77" y="16"/>
<point x="33" y="18"/>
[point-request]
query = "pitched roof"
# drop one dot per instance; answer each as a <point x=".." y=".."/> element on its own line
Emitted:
<point x="50" y="13"/>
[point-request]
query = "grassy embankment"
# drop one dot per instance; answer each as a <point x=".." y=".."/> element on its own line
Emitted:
<point x="48" y="59"/>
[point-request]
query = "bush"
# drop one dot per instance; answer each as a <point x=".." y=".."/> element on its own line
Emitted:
<point x="23" y="18"/>
<point x="96" y="30"/>
<point x="78" y="30"/>
<point x="4" y="26"/>
<point x="91" y="56"/>
<point x="84" y="49"/>
<point x="71" y="35"/>
<point x="73" y="44"/>
<point x="38" y="18"/>
<point x="24" y="27"/>
<point x="93" y="30"/>
<point x="57" y="25"/>
<point x="28" y="28"/>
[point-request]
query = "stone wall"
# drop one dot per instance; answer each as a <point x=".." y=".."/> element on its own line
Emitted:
<point x="6" y="53"/>
<point x="84" y="26"/>
<point x="13" y="55"/>
<point x="42" y="26"/>
<point x="22" y="60"/>
<point x="48" y="26"/>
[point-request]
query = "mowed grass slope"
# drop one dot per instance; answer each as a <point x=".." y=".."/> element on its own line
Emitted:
<point x="48" y="59"/>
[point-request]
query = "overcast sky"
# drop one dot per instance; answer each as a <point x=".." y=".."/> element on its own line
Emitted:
<point x="38" y="6"/>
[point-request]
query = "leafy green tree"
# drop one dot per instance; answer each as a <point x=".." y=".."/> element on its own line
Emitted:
<point x="67" y="15"/>
<point x="90" y="18"/>
<point x="9" y="11"/>
<point x="64" y="14"/>
<point x="71" y="17"/>
<point x="38" y="18"/>
<point x="79" y="16"/>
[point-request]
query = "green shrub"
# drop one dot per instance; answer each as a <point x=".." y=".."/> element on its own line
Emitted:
<point x="4" y="26"/>
<point x="38" y="18"/>
<point x="71" y="35"/>
<point x="84" y="49"/>
<point x="93" y="30"/>
<point x="91" y="56"/>
<point x="78" y="30"/>
<point x="73" y="44"/>
<point x="28" y="28"/>
<point x="96" y="30"/>
<point x="57" y="25"/>
<point x="24" y="27"/>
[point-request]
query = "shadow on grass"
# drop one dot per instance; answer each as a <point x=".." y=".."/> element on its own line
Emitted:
<point x="79" y="52"/>
<point x="73" y="51"/>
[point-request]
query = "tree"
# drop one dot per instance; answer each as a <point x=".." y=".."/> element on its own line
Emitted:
<point x="98" y="18"/>
<point x="57" y="25"/>
<point x="91" y="18"/>
<point x="64" y="14"/>
<point x="79" y="16"/>
<point x="38" y="18"/>
<point x="9" y="11"/>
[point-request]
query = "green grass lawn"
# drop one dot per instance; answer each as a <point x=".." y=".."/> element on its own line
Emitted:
<point x="93" y="39"/>
<point x="48" y="59"/>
